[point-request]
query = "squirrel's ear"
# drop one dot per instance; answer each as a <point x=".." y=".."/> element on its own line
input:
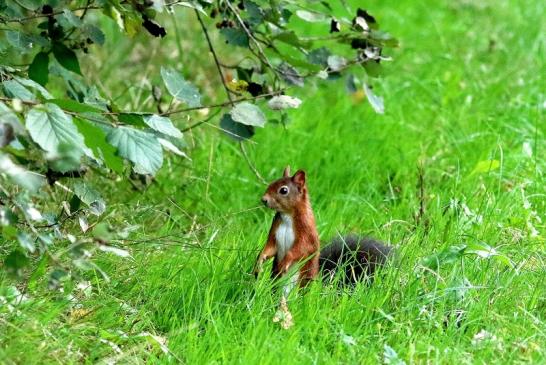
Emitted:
<point x="286" y="172"/>
<point x="299" y="177"/>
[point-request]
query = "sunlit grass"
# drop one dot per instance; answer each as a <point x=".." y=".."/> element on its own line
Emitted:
<point x="464" y="89"/>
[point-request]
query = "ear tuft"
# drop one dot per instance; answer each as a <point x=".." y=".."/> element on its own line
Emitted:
<point x="299" y="177"/>
<point x="286" y="172"/>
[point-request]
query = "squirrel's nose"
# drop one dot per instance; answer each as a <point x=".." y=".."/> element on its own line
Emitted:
<point x="264" y="200"/>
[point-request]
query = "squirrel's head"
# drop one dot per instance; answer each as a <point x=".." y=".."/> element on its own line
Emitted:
<point x="285" y="194"/>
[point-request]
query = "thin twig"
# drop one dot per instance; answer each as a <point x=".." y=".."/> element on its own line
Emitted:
<point x="251" y="36"/>
<point x="228" y="92"/>
<point x="178" y="111"/>
<point x="252" y="167"/>
<point x="216" y="61"/>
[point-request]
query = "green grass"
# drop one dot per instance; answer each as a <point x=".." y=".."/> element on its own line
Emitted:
<point x="465" y="87"/>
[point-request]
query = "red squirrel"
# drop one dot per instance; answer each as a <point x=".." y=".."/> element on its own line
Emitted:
<point x="293" y="238"/>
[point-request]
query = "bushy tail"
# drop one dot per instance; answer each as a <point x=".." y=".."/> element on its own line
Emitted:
<point x="357" y="257"/>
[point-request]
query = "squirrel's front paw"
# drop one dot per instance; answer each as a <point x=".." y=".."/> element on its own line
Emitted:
<point x="257" y="270"/>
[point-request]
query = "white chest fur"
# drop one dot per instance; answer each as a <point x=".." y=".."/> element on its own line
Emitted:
<point x="284" y="236"/>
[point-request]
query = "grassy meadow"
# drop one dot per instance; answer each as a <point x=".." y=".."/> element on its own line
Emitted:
<point x="457" y="159"/>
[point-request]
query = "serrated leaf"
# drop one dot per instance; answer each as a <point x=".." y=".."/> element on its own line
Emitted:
<point x="375" y="101"/>
<point x="162" y="125"/>
<point x="35" y="86"/>
<point x="235" y="130"/>
<point x="90" y="197"/>
<point x="14" y="89"/>
<point x="139" y="147"/>
<point x="169" y="146"/>
<point x="39" y="68"/>
<point x="50" y="126"/>
<point x="66" y="57"/>
<point x="19" y="175"/>
<point x="95" y="138"/>
<point x="180" y="88"/>
<point x="280" y="102"/>
<point x="248" y="114"/>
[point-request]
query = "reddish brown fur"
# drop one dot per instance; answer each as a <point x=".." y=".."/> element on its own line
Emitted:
<point x="306" y="244"/>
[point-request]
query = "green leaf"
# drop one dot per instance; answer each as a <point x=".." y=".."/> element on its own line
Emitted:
<point x="235" y="36"/>
<point x="131" y="119"/>
<point x="71" y="18"/>
<point x="74" y="106"/>
<point x="94" y="33"/>
<point x="291" y="38"/>
<point x="336" y="63"/>
<point x="50" y="126"/>
<point x="162" y="125"/>
<point x="375" y="101"/>
<point x="485" y="251"/>
<point x="35" y="86"/>
<point x="139" y="147"/>
<point x="95" y="139"/>
<point x="255" y="13"/>
<point x="290" y="75"/>
<point x="280" y="102"/>
<point x="446" y="256"/>
<point x="19" y="40"/>
<point x="38" y="69"/>
<point x="66" y="57"/>
<point x="30" y="4"/>
<point x="373" y="68"/>
<point x="14" y="89"/>
<point x="15" y="262"/>
<point x="301" y="63"/>
<point x="19" y="175"/>
<point x="90" y="197"/>
<point x="235" y="130"/>
<point x="312" y="17"/>
<point x="7" y="217"/>
<point x="180" y="88"/>
<point x="485" y="166"/>
<point x="171" y="147"/>
<point x="7" y="116"/>
<point x="248" y="114"/>
<point x="26" y="242"/>
<point x="65" y="159"/>
<point x="319" y="56"/>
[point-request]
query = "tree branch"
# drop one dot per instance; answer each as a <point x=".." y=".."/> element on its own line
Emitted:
<point x="211" y="48"/>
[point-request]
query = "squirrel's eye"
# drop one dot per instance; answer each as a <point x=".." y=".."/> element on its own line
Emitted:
<point x="283" y="190"/>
